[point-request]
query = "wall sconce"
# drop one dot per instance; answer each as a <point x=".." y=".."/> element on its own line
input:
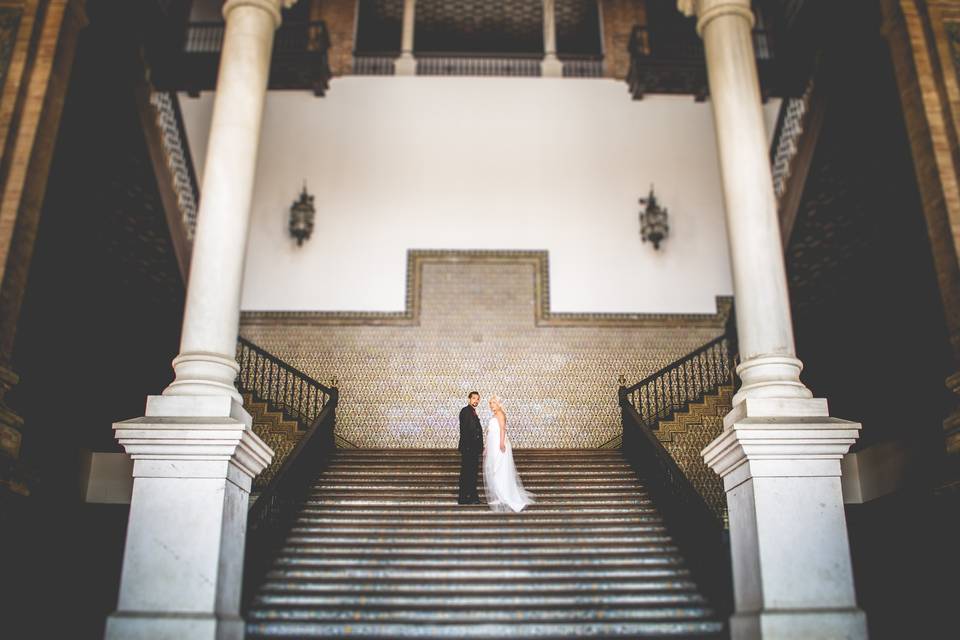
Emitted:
<point x="653" y="220"/>
<point x="301" y="216"/>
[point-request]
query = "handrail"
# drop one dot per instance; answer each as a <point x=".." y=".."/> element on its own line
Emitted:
<point x="673" y="365"/>
<point x="272" y="380"/>
<point x="673" y="388"/>
<point x="270" y="514"/>
<point x="695" y="527"/>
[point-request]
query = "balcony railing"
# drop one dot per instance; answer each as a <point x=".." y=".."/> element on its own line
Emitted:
<point x="467" y="64"/>
<point x="482" y="64"/>
<point x="582" y="66"/>
<point x="374" y="63"/>
<point x="672" y="61"/>
<point x="299" y="59"/>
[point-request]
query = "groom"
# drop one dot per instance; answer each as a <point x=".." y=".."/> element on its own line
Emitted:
<point x="471" y="445"/>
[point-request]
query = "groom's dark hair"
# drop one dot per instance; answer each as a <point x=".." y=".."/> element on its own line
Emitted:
<point x="473" y="393"/>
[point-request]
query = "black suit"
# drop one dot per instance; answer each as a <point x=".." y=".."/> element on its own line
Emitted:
<point x="471" y="445"/>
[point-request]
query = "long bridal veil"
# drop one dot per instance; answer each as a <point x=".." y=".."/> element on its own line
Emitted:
<point x="502" y="485"/>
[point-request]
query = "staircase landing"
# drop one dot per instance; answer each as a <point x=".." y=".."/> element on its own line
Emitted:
<point x="380" y="549"/>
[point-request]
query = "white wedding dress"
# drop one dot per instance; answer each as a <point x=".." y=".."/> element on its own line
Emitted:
<point x="502" y="485"/>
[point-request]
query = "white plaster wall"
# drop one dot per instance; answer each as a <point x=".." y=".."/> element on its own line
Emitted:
<point x="483" y="163"/>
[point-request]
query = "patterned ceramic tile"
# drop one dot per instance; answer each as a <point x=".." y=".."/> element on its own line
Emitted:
<point x="402" y="385"/>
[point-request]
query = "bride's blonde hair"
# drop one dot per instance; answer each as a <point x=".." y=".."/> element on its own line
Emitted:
<point x="496" y="399"/>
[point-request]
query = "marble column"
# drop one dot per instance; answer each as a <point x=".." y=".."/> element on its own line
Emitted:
<point x="551" y="67"/>
<point x="194" y="452"/>
<point x="779" y="454"/>
<point x="406" y="64"/>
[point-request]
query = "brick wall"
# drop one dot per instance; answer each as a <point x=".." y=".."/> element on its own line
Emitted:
<point x="924" y="41"/>
<point x="618" y="18"/>
<point x="340" y="18"/>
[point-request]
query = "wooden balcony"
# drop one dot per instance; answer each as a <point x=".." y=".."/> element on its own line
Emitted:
<point x="299" y="59"/>
<point x="673" y="62"/>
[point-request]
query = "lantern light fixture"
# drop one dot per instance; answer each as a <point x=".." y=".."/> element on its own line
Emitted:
<point x="302" y="213"/>
<point x="653" y="220"/>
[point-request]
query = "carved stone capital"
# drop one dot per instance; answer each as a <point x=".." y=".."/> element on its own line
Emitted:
<point x="708" y="10"/>
<point x="270" y="6"/>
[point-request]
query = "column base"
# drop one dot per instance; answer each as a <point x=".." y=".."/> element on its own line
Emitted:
<point x="173" y="626"/>
<point x="806" y="624"/>
<point x="405" y="65"/>
<point x="551" y="67"/>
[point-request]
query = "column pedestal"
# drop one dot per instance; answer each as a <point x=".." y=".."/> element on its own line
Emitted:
<point x="194" y="460"/>
<point x="780" y="464"/>
<point x="551" y="67"/>
<point x="405" y="65"/>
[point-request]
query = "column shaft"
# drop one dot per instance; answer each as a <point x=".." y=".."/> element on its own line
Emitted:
<point x="551" y="66"/>
<point x="549" y="27"/>
<point x="206" y="365"/>
<point x="769" y="366"/>
<point x="406" y="65"/>
<point x="409" y="20"/>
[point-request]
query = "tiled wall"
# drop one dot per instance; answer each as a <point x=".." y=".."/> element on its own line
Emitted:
<point x="403" y="386"/>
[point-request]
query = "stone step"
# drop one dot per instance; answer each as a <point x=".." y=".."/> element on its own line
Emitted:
<point x="516" y="577"/>
<point x="438" y="540"/>
<point x="453" y="478"/>
<point x="543" y="484"/>
<point x="478" y="531"/>
<point x="530" y="519"/>
<point x="448" y="470"/>
<point x="666" y="556"/>
<point x="477" y="553"/>
<point x="292" y="585"/>
<point x="568" y="502"/>
<point x="479" y="511"/>
<point x="422" y="493"/>
<point x="451" y="615"/>
<point x="578" y="453"/>
<point x="468" y="601"/>
<point x="277" y="629"/>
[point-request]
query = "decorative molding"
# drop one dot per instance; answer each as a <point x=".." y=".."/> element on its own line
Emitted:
<point x="543" y="316"/>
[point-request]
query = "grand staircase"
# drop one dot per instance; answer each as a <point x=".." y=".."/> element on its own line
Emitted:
<point x="380" y="549"/>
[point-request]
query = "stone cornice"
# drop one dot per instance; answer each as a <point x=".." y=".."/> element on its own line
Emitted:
<point x="708" y="10"/>
<point x="270" y="6"/>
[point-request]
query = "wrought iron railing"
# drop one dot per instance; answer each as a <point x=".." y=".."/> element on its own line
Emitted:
<point x="374" y="64"/>
<point x="694" y="525"/>
<point x="486" y="64"/>
<point x="659" y="396"/>
<point x="207" y="37"/>
<point x="271" y="513"/>
<point x="582" y="66"/>
<point x="177" y="151"/>
<point x="299" y="59"/>
<point x="673" y="61"/>
<point x="697" y="526"/>
<point x="269" y="379"/>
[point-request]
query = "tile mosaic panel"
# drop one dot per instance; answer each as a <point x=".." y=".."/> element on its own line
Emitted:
<point x="474" y="326"/>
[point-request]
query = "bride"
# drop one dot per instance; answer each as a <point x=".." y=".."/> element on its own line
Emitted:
<point x="502" y="485"/>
